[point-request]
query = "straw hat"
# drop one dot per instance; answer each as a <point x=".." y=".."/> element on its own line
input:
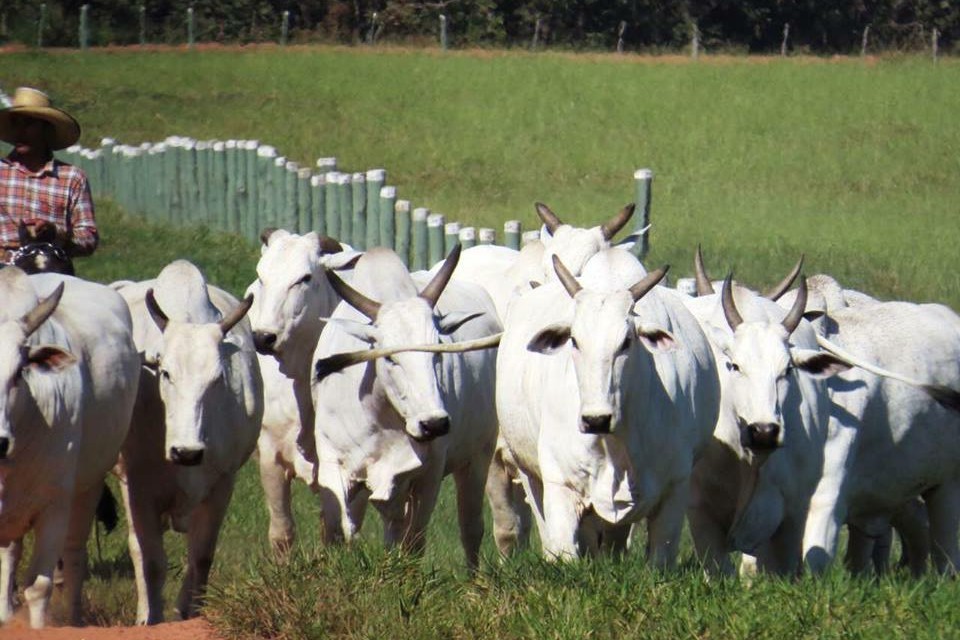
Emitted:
<point x="36" y="104"/>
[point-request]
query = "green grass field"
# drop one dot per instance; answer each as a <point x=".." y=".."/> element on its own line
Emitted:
<point x="853" y="163"/>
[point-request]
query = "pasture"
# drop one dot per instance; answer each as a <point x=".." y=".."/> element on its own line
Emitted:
<point x="852" y="162"/>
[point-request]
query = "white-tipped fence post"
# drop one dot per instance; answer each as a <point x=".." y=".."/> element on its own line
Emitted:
<point x="935" y="44"/>
<point x="359" y="218"/>
<point x="620" y="31"/>
<point x="401" y="241"/>
<point x="863" y="42"/>
<point x="443" y="32"/>
<point x="687" y="286"/>
<point x="451" y="236"/>
<point x="468" y="237"/>
<point x="304" y="200"/>
<point x="644" y="186"/>
<point x="419" y="238"/>
<point x="284" y="28"/>
<point x="536" y="35"/>
<point x="694" y="40"/>
<point x="487" y="235"/>
<point x="511" y="234"/>
<point x="375" y="179"/>
<point x="249" y="193"/>
<point x="345" y="206"/>
<point x="372" y="33"/>
<point x="332" y="211"/>
<point x="84" y="35"/>
<point x="318" y="204"/>
<point x="190" y="28"/>
<point x="435" y="239"/>
<point x="388" y="219"/>
<point x="529" y="236"/>
<point x="786" y="37"/>
<point x="231" y="220"/>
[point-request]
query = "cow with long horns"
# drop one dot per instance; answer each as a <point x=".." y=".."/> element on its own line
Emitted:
<point x="195" y="424"/>
<point x="392" y="422"/>
<point x="607" y="392"/>
<point x="68" y="368"/>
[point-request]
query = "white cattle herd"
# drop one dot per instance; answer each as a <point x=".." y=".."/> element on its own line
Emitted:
<point x="562" y="381"/>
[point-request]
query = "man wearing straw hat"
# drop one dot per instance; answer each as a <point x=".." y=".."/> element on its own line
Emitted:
<point x="36" y="188"/>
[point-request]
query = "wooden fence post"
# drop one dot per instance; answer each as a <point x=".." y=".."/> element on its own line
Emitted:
<point x="443" y="32"/>
<point x="468" y="237"/>
<point x="304" y="200"/>
<point x="345" y="206"/>
<point x="935" y="44"/>
<point x="419" y="239"/>
<point x="251" y="191"/>
<point x="318" y="204"/>
<point x="435" y="239"/>
<point x="644" y="184"/>
<point x="529" y="236"/>
<point x="190" y="28"/>
<point x="359" y="218"/>
<point x="511" y="234"/>
<point x="863" y="42"/>
<point x="451" y="236"/>
<point x="375" y="179"/>
<point x="388" y="216"/>
<point x="401" y="241"/>
<point x="487" y="235"/>
<point x="284" y="28"/>
<point x="233" y="182"/>
<point x="786" y="36"/>
<point x="332" y="210"/>
<point x="536" y="35"/>
<point x="289" y="214"/>
<point x="694" y="40"/>
<point x="84" y="35"/>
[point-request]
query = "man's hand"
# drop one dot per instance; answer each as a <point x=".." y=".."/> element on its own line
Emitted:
<point x="40" y="230"/>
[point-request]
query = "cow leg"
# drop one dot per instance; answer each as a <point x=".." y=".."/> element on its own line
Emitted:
<point x="665" y="525"/>
<point x="276" y="490"/>
<point x="50" y="530"/>
<point x="561" y="532"/>
<point x="510" y="512"/>
<point x="202" y="533"/>
<point x="784" y="550"/>
<point x="470" y="482"/>
<point x="911" y="523"/>
<point x="860" y="548"/>
<point x="145" y="541"/>
<point x="424" y="493"/>
<point x="75" y="548"/>
<point x="9" y="561"/>
<point x="943" y="507"/>
<point x="880" y="556"/>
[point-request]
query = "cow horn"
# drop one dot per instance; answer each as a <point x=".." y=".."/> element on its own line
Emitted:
<point x="549" y="218"/>
<point x="617" y="222"/>
<point x="236" y="315"/>
<point x="643" y="287"/>
<point x="330" y="245"/>
<point x="32" y="320"/>
<point x="431" y="292"/>
<point x="795" y="315"/>
<point x="729" y="306"/>
<point x="159" y="317"/>
<point x="704" y="286"/>
<point x="786" y="283"/>
<point x="354" y="298"/>
<point x="566" y="278"/>
<point x="265" y="235"/>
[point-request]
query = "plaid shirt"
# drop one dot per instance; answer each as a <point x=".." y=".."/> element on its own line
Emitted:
<point x="58" y="193"/>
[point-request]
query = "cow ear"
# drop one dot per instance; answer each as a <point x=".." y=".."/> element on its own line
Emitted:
<point x="813" y="314"/>
<point x="50" y="358"/>
<point x="340" y="261"/>
<point x="550" y="339"/>
<point x="452" y="321"/>
<point x="655" y="338"/>
<point x="818" y="364"/>
<point x="720" y="336"/>
<point x="359" y="330"/>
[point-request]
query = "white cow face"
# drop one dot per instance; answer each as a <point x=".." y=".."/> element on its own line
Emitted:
<point x="191" y="376"/>
<point x="292" y="286"/>
<point x="574" y="246"/>
<point x="602" y="335"/>
<point x="760" y="372"/>
<point x="23" y="365"/>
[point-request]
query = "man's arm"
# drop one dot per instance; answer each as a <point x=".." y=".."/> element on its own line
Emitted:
<point x="82" y="238"/>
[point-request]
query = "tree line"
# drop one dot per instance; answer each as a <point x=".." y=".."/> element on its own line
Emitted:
<point x="750" y="26"/>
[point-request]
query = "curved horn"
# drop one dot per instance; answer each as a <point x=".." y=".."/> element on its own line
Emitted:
<point x="566" y="278"/>
<point x="799" y="305"/>
<point x="643" y="287"/>
<point x="159" y="317"/>
<point x="617" y="222"/>
<point x="549" y="218"/>
<point x="431" y="292"/>
<point x="32" y="320"/>
<point x="236" y="315"/>
<point x="704" y="286"/>
<point x="266" y="233"/>
<point x="354" y="298"/>
<point x="729" y="306"/>
<point x="786" y="283"/>
<point x="330" y="245"/>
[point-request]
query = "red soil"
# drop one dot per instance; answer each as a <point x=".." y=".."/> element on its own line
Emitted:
<point x="196" y="629"/>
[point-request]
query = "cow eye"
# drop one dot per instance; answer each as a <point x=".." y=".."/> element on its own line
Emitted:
<point x="573" y="343"/>
<point x="164" y="374"/>
<point x="305" y="279"/>
<point x="733" y="366"/>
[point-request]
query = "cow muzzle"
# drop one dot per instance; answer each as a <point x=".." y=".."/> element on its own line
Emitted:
<point x="6" y="447"/>
<point x="264" y="341"/>
<point x="186" y="456"/>
<point x="432" y="427"/>
<point x="596" y="424"/>
<point x="761" y="436"/>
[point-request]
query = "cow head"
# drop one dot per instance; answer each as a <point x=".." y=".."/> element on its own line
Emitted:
<point x="293" y="289"/>
<point x="603" y="333"/>
<point x="190" y="370"/>
<point x="574" y="245"/>
<point x="760" y="369"/>
<point x="410" y="379"/>
<point x="20" y="361"/>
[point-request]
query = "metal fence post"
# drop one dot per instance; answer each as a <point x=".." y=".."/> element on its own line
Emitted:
<point x="190" y="28"/>
<point x="84" y="28"/>
<point x="284" y="27"/>
<point x="644" y="183"/>
<point x="443" y="32"/>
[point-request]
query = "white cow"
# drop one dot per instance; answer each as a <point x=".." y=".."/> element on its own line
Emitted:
<point x="388" y="431"/>
<point x="893" y="442"/>
<point x="606" y="394"/>
<point x="291" y="298"/>
<point x="68" y="367"/>
<point x="196" y="422"/>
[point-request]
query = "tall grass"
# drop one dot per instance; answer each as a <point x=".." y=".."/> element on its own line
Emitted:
<point x="850" y="161"/>
<point x="853" y="163"/>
